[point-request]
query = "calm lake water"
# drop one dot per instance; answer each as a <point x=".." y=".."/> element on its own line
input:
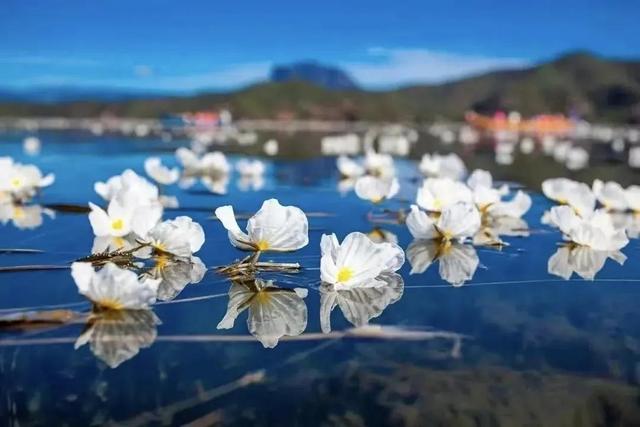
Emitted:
<point x="515" y="345"/>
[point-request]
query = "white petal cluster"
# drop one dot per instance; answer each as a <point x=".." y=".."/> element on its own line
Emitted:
<point x="114" y="288"/>
<point x="349" y="168"/>
<point x="596" y="231"/>
<point x="380" y="165"/>
<point x="489" y="199"/>
<point x="160" y="173"/>
<point x="610" y="194"/>
<point x="436" y="194"/>
<point x="376" y="189"/>
<point x="458" y="222"/>
<point x="357" y="261"/>
<point x="212" y="169"/>
<point x="568" y="192"/>
<point x="443" y="166"/>
<point x="273" y="228"/>
<point x="21" y="182"/>
<point x="181" y="237"/>
<point x="134" y="207"/>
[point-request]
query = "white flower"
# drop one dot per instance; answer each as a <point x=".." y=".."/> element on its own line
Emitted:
<point x="169" y="201"/>
<point x="346" y="185"/>
<point x="349" y="168"/>
<point x="575" y="194"/>
<point x="582" y="260"/>
<point x="273" y="312"/>
<point x="114" y="288"/>
<point x="128" y="187"/>
<point x="273" y="228"/>
<point x="358" y="261"/>
<point x="632" y="197"/>
<point x="376" y="189"/>
<point x="31" y="145"/>
<point x="21" y="181"/>
<point x="216" y="184"/>
<point x="271" y="147"/>
<point x="212" y="169"/>
<point x="577" y="158"/>
<point x="456" y="222"/>
<point x="596" y="231"/>
<point x="458" y="262"/>
<point x="438" y="193"/>
<point x="447" y="166"/>
<point x="380" y="165"/>
<point x="158" y="172"/>
<point x="250" y="168"/>
<point x="359" y="305"/>
<point x="180" y="237"/>
<point x="610" y="194"/>
<point x="514" y="208"/>
<point x="117" y="336"/>
<point x="120" y="220"/>
<point x="210" y="164"/>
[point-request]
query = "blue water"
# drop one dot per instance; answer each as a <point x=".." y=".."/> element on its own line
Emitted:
<point x="519" y="345"/>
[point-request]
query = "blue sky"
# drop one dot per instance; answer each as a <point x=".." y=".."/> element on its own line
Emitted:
<point x="195" y="45"/>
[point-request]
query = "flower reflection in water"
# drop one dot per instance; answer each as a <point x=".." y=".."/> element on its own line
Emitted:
<point x="273" y="312"/>
<point x="116" y="336"/>
<point x="581" y="260"/>
<point x="379" y="235"/>
<point x="250" y="183"/>
<point x="492" y="228"/>
<point x="458" y="262"/>
<point x="24" y="217"/>
<point x="361" y="304"/>
<point x="175" y="273"/>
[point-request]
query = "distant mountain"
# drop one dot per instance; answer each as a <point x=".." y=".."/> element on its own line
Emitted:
<point x="312" y="72"/>
<point x="593" y="87"/>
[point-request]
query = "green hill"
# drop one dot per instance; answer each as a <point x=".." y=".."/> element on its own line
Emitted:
<point x="595" y="87"/>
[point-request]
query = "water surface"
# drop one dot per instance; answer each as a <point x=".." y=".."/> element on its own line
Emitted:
<point x="516" y="345"/>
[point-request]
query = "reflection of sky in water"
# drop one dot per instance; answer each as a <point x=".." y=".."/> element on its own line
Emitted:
<point x="519" y="317"/>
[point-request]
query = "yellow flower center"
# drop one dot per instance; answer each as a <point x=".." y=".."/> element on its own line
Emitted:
<point x="161" y="262"/>
<point x="117" y="224"/>
<point x="344" y="274"/>
<point x="437" y="204"/>
<point x="376" y="199"/>
<point x="16" y="182"/>
<point x="263" y="297"/>
<point x="110" y="304"/>
<point x="262" y="245"/>
<point x="18" y="213"/>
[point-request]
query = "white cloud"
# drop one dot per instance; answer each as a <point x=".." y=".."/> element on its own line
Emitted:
<point x="393" y="67"/>
<point x="231" y="76"/>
